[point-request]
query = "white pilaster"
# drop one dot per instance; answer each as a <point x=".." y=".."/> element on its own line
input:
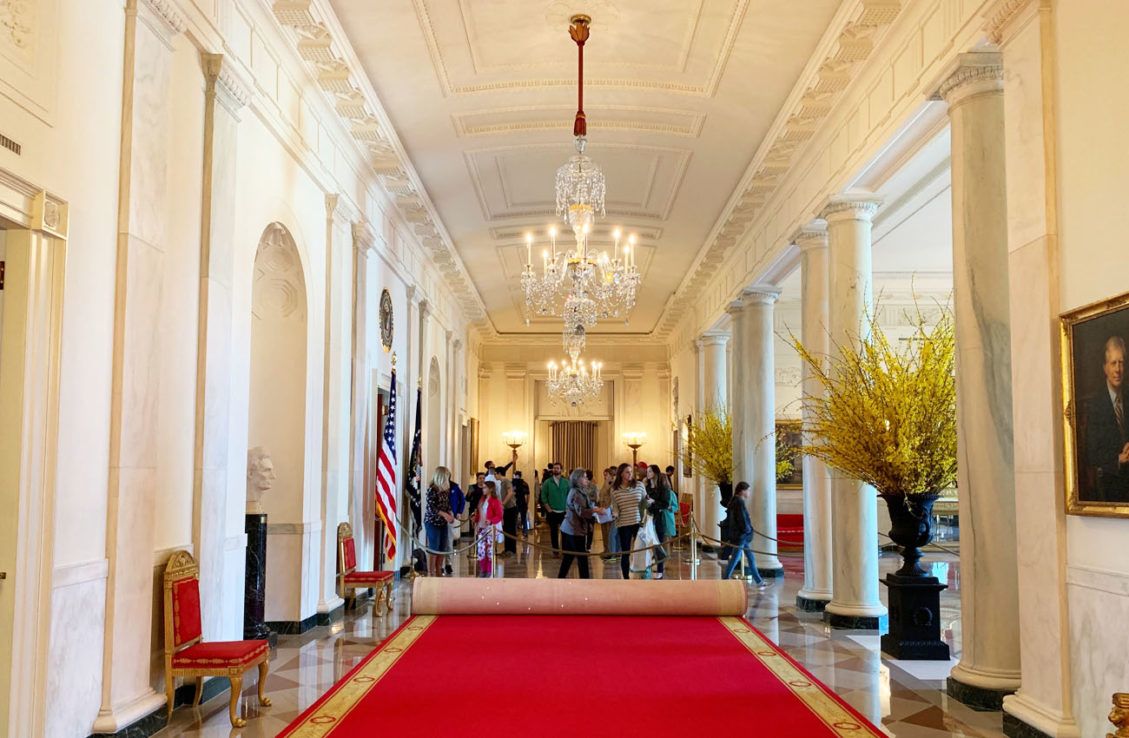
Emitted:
<point x="127" y="692"/>
<point x="816" y="592"/>
<point x="711" y="353"/>
<point x="989" y="663"/>
<point x="855" y="601"/>
<point x="215" y="516"/>
<point x="335" y="385"/>
<point x="361" y="502"/>
<point x="1044" y="701"/>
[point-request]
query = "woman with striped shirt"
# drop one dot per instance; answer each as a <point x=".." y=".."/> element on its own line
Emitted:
<point x="627" y="494"/>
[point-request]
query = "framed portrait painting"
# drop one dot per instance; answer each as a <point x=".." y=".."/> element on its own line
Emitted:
<point x="1096" y="408"/>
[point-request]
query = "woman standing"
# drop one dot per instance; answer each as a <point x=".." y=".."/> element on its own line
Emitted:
<point x="579" y="511"/>
<point x="436" y="519"/>
<point x="487" y="518"/>
<point x="627" y="494"/>
<point x="607" y="529"/>
<point x="663" y="504"/>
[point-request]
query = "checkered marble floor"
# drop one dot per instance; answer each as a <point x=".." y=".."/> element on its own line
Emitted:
<point x="907" y="699"/>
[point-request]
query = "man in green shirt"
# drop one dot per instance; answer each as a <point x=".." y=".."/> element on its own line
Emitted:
<point x="554" y="497"/>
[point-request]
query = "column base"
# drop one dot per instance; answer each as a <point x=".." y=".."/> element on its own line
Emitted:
<point x="140" y="712"/>
<point x="855" y="622"/>
<point x="810" y="604"/>
<point x="984" y="699"/>
<point x="1025" y="718"/>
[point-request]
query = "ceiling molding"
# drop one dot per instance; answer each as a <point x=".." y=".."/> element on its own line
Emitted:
<point x="322" y="45"/>
<point x="610" y="118"/>
<point x="849" y="42"/>
<point x="706" y="88"/>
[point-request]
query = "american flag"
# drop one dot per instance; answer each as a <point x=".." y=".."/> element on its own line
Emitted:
<point x="386" y="475"/>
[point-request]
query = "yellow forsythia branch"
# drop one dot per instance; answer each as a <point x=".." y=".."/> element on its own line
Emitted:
<point x="887" y="416"/>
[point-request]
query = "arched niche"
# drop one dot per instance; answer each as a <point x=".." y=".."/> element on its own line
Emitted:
<point x="276" y="419"/>
<point x="434" y="424"/>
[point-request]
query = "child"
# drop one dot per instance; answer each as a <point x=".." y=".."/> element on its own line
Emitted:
<point x="487" y="518"/>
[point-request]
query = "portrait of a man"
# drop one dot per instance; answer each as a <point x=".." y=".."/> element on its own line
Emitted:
<point x="1107" y="439"/>
<point x="1097" y="408"/>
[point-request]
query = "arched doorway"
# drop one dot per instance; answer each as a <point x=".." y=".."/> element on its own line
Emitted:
<point x="434" y="427"/>
<point x="276" y="424"/>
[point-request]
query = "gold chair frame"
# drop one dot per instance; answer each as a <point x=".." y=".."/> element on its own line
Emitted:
<point x="182" y="566"/>
<point x="348" y="592"/>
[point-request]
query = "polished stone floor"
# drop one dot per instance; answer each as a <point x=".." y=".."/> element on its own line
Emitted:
<point x="906" y="698"/>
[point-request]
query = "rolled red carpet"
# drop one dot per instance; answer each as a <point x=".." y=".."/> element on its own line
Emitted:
<point x="585" y="675"/>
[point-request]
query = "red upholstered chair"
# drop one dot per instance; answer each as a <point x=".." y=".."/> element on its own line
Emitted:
<point x="187" y="655"/>
<point x="349" y="579"/>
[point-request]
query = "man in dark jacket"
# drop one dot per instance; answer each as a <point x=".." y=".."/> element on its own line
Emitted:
<point x="741" y="534"/>
<point x="521" y="491"/>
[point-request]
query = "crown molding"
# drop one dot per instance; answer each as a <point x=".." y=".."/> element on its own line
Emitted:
<point x="316" y="35"/>
<point x="848" y="43"/>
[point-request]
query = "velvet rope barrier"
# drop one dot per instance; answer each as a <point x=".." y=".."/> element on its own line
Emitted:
<point x="444" y="596"/>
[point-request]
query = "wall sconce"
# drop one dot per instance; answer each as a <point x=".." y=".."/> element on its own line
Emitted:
<point x="634" y="441"/>
<point x="513" y="439"/>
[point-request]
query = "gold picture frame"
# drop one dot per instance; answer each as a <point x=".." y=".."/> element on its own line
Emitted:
<point x="1096" y="482"/>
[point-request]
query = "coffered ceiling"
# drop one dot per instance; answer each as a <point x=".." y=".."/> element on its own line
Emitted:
<point x="679" y="95"/>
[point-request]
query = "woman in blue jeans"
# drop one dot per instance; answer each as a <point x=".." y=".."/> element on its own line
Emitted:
<point x="741" y="534"/>
<point x="436" y="518"/>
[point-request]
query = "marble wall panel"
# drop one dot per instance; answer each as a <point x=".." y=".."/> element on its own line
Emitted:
<point x="1099" y="609"/>
<point x="74" y="674"/>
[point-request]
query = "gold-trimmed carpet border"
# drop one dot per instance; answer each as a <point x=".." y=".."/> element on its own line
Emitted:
<point x="348" y="694"/>
<point x="838" y="719"/>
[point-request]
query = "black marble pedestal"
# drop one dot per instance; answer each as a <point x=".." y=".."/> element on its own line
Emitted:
<point x="915" y="619"/>
<point x="255" y="593"/>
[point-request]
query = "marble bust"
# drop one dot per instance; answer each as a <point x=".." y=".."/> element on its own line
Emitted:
<point x="260" y="478"/>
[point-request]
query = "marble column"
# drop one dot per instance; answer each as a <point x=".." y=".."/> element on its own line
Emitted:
<point x="711" y="351"/>
<point x="816" y="592"/>
<point x="754" y="418"/>
<point x="1045" y="700"/>
<point x="855" y="601"/>
<point x="989" y="662"/>
<point x="226" y="93"/>
<point x="127" y="691"/>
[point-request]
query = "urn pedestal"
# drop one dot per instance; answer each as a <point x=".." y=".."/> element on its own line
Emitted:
<point x="914" y="596"/>
<point x="255" y="592"/>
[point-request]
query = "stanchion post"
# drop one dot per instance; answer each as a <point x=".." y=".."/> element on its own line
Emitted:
<point x="693" y="552"/>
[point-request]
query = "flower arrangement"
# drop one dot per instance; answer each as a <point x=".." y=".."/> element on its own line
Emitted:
<point x="887" y="416"/>
<point x="710" y="445"/>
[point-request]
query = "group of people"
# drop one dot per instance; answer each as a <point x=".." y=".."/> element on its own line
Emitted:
<point x="630" y="499"/>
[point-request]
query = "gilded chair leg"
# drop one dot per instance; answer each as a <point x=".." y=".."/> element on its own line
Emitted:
<point x="388" y="596"/>
<point x="263" y="669"/>
<point x="170" y="693"/>
<point x="377" y="609"/>
<point x="233" y="709"/>
<point x="199" y="691"/>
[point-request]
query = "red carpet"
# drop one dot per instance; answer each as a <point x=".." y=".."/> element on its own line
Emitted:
<point x="569" y="676"/>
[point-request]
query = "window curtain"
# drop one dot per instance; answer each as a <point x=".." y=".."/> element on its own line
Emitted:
<point x="574" y="444"/>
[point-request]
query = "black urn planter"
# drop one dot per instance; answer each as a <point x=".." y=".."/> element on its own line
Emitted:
<point x="726" y="496"/>
<point x="914" y="595"/>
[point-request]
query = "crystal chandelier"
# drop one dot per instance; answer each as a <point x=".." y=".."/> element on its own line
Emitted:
<point x="574" y="382"/>
<point x="581" y="284"/>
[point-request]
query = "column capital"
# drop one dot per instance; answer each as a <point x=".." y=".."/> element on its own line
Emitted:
<point x="424" y="308"/>
<point x="457" y="343"/>
<point x="851" y="207"/>
<point x="977" y="72"/>
<point x="712" y="339"/>
<point x="226" y="82"/>
<point x="364" y="238"/>
<point x="760" y="296"/>
<point x="811" y="236"/>
<point x="735" y="307"/>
